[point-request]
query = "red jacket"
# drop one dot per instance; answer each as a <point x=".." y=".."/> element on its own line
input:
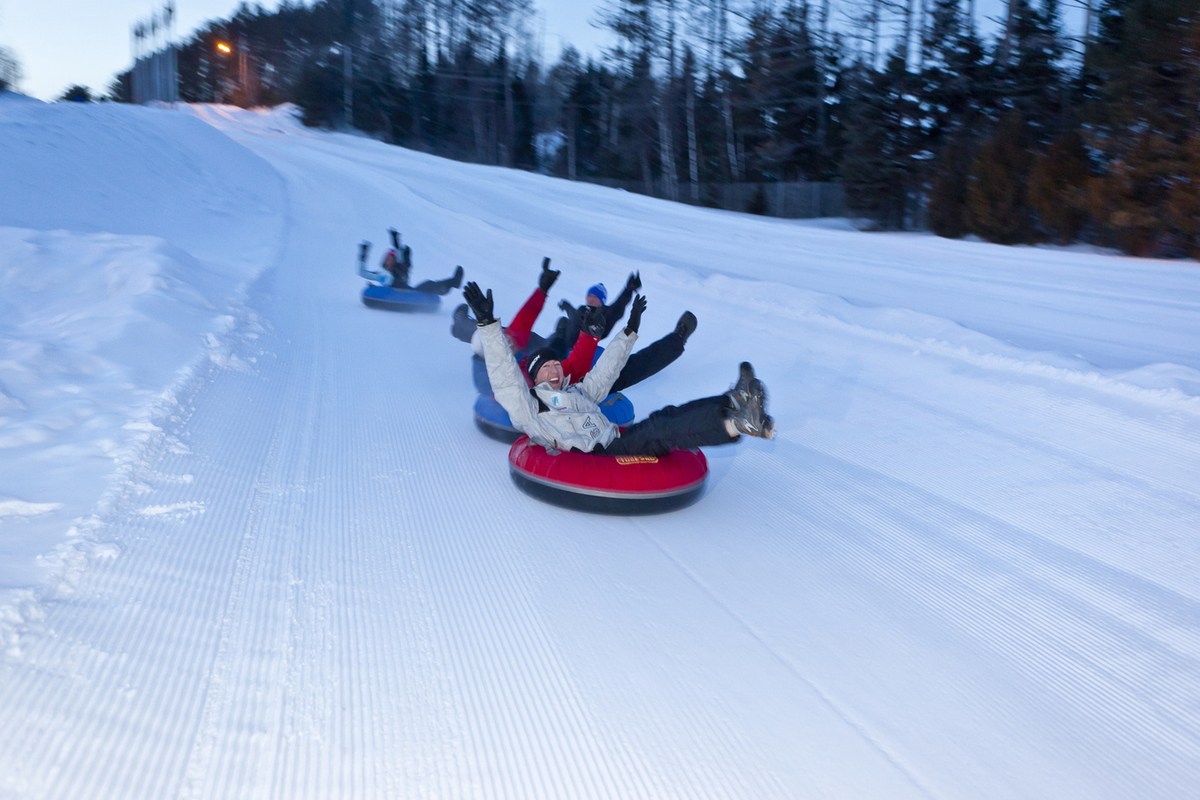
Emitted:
<point x="576" y="365"/>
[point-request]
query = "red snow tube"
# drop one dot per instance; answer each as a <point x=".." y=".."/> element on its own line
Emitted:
<point x="608" y="484"/>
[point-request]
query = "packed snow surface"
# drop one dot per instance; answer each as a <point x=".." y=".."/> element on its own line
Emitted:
<point x="253" y="546"/>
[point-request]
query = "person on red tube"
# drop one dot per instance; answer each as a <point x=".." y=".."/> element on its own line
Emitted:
<point x="556" y="413"/>
<point x="519" y="333"/>
<point x="578" y="351"/>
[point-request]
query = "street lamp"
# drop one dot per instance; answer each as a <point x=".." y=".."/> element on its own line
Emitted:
<point x="243" y="67"/>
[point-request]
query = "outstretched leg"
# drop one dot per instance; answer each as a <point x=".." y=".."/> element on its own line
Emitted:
<point x="652" y="358"/>
<point x="649" y="360"/>
<point x="442" y="286"/>
<point x="707" y="422"/>
<point x="700" y="423"/>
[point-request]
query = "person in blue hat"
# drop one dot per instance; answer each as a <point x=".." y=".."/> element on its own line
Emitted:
<point x="642" y="364"/>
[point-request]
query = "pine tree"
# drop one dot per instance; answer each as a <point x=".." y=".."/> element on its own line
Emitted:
<point x="1142" y="96"/>
<point x="1058" y="187"/>
<point x="879" y="170"/>
<point x="947" y="209"/>
<point x="10" y="69"/>
<point x="996" y="200"/>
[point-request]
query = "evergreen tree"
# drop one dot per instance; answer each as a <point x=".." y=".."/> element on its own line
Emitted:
<point x="879" y="167"/>
<point x="1057" y="191"/>
<point x="10" y="69"/>
<point x="1142" y="95"/>
<point x="947" y="208"/>
<point x="996" y="195"/>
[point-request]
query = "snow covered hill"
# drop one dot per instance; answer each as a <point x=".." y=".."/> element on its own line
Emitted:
<point x="253" y="545"/>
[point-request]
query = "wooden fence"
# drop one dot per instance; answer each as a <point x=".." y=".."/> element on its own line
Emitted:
<point x="793" y="200"/>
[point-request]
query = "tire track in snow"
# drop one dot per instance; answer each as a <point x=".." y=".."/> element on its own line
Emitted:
<point x="166" y="591"/>
<point x="841" y="709"/>
<point x="1118" y="655"/>
<point x="469" y="654"/>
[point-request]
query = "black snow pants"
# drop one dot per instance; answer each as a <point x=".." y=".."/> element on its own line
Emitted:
<point x="700" y="423"/>
<point x="435" y="287"/>
<point x="649" y="360"/>
<point x="639" y="366"/>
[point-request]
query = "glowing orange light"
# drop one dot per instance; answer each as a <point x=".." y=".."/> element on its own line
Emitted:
<point x="224" y="48"/>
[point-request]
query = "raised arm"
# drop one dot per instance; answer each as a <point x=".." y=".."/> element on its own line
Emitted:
<point x="508" y="384"/>
<point x="383" y="277"/>
<point x="613" y="313"/>
<point x="597" y="383"/>
<point x="522" y="324"/>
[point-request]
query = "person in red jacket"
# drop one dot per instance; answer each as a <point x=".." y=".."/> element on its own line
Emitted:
<point x="577" y="351"/>
<point x="522" y="341"/>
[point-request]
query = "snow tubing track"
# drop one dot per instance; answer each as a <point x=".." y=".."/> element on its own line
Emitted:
<point x="493" y="420"/>
<point x="608" y="484"/>
<point x="390" y="299"/>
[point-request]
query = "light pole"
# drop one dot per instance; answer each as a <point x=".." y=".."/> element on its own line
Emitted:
<point x="243" y="67"/>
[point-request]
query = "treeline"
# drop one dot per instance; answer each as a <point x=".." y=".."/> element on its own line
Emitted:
<point x="1027" y="135"/>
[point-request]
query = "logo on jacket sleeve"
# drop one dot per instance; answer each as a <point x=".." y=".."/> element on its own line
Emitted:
<point x="587" y="423"/>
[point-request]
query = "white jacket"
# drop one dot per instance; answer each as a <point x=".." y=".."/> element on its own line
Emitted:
<point x="382" y="277"/>
<point x="572" y="419"/>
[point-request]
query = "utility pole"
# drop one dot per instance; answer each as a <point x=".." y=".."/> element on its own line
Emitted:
<point x="1006" y="43"/>
<point x="348" y="68"/>
<point x="244" y="71"/>
<point x="1087" y="27"/>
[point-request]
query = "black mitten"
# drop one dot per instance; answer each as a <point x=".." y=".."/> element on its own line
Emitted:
<point x="548" y="276"/>
<point x="635" y="314"/>
<point x="572" y="313"/>
<point x="594" y="321"/>
<point x="480" y="304"/>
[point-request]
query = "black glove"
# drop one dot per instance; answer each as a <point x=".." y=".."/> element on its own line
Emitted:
<point x="480" y="304"/>
<point x="572" y="313"/>
<point x="548" y="276"/>
<point x="594" y="321"/>
<point x="635" y="314"/>
<point x="395" y="239"/>
<point x="635" y="281"/>
<point x="363" y="249"/>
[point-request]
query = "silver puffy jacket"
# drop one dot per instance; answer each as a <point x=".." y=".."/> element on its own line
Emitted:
<point x="573" y="419"/>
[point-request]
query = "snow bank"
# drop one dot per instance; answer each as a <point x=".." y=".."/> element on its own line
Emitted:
<point x="113" y="168"/>
<point x="127" y="237"/>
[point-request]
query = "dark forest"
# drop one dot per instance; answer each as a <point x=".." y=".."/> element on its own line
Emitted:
<point x="1026" y="136"/>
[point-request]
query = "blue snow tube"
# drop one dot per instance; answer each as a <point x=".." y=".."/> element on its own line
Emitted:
<point x="479" y="375"/>
<point x="493" y="420"/>
<point x="385" y="297"/>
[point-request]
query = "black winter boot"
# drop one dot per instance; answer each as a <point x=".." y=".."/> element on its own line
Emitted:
<point x="463" y="327"/>
<point x="751" y="417"/>
<point x="686" y="326"/>
<point x="740" y="393"/>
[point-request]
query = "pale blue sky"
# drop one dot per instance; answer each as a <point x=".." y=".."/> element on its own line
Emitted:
<point x="64" y="42"/>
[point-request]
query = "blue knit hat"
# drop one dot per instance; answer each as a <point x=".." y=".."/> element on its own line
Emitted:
<point x="599" y="291"/>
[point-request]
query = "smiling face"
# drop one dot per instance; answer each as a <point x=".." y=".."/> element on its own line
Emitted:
<point x="551" y="372"/>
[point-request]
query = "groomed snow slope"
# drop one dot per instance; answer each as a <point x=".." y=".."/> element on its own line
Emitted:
<point x="966" y="568"/>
